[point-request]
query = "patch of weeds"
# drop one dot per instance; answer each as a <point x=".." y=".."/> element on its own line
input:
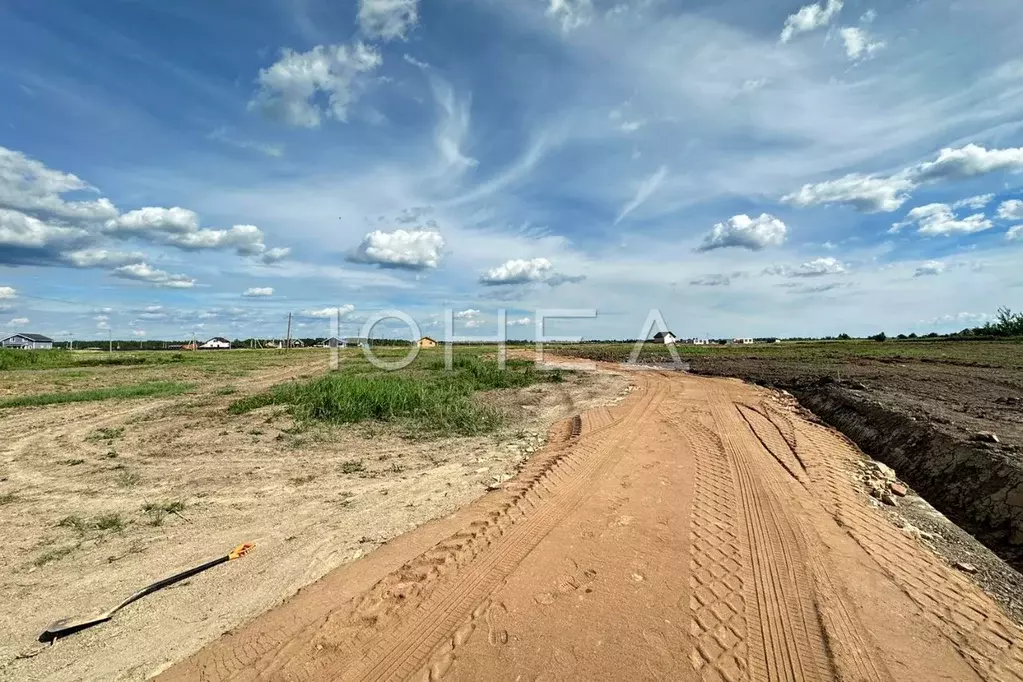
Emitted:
<point x="396" y="468"/>
<point x="74" y="522"/>
<point x="127" y="479"/>
<point x="158" y="511"/>
<point x="302" y="480"/>
<point x="352" y="466"/>
<point x="71" y="462"/>
<point x="109" y="522"/>
<point x="112" y="454"/>
<point x="146" y="390"/>
<point x="226" y="390"/>
<point x="53" y="555"/>
<point x="255" y="432"/>
<point x="7" y="498"/>
<point x="105" y="434"/>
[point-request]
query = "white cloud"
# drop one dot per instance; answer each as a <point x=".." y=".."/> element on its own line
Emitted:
<point x="931" y="267"/>
<point x="452" y="124"/>
<point x="519" y="272"/>
<point x="18" y="322"/>
<point x="863" y="192"/>
<point x="28" y="186"/>
<point x="23" y="231"/>
<point x="632" y="126"/>
<point x="858" y="43"/>
<point x="961" y="318"/>
<point x="7" y="293"/>
<point x="409" y="249"/>
<point x="102" y="258"/>
<point x="939" y="219"/>
<point x="571" y="13"/>
<point x="976" y="203"/>
<point x="388" y="19"/>
<point x="466" y="314"/>
<point x="473" y="324"/>
<point x="742" y="231"/>
<point x="142" y="272"/>
<point x="967" y="162"/>
<point x="520" y="322"/>
<point x="645" y="190"/>
<point x="288" y="88"/>
<point x="179" y="227"/>
<point x="330" y="313"/>
<point x="872" y="193"/>
<point x="1015" y="233"/>
<point x="809" y="18"/>
<point x="222" y="135"/>
<point x="1011" y="210"/>
<point x="817" y="267"/>
<point x="256" y="292"/>
<point x="139" y="332"/>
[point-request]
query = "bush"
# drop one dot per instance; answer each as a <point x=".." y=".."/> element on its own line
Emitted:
<point x="879" y="337"/>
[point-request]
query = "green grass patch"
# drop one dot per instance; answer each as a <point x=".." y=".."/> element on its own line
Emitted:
<point x="424" y="398"/>
<point x="55" y="359"/>
<point x="109" y="433"/>
<point x="353" y="466"/>
<point x="158" y="511"/>
<point x="146" y="390"/>
<point x="103" y="522"/>
<point x="53" y="555"/>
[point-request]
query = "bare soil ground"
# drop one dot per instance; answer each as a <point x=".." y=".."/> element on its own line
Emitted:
<point x="311" y="500"/>
<point x="703" y="529"/>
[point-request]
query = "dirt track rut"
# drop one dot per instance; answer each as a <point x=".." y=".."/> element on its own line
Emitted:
<point x="700" y="530"/>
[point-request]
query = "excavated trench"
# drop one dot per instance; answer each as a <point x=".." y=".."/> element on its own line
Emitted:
<point x="978" y="486"/>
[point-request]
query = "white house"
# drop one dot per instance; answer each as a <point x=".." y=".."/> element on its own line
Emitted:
<point x="699" y="342"/>
<point x="667" y="338"/>
<point x="27" y="342"/>
<point x="742" y="341"/>
<point x="216" y="343"/>
<point x="334" y="342"/>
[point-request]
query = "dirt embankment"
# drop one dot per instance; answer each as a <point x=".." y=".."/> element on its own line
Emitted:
<point x="930" y="422"/>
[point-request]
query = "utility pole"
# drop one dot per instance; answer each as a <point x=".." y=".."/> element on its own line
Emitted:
<point x="110" y="336"/>
<point x="289" y="331"/>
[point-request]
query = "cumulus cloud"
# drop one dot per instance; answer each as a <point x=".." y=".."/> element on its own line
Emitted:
<point x="858" y="43"/>
<point x="7" y="293"/>
<point x="18" y="322"/>
<point x="142" y="272"/>
<point x="968" y="162"/>
<point x="744" y="232"/>
<point x="523" y="272"/>
<point x="817" y="267"/>
<point x="873" y="193"/>
<point x="27" y="239"/>
<point x="138" y="332"/>
<point x="102" y="258"/>
<point x="179" y="227"/>
<point x="520" y="322"/>
<point x="866" y="193"/>
<point x="976" y="203"/>
<point x="571" y="13"/>
<point x="940" y="220"/>
<point x="407" y="249"/>
<point x="288" y="89"/>
<point x="931" y="267"/>
<point x="28" y="186"/>
<point x="645" y="190"/>
<point x="466" y="314"/>
<point x="809" y="18"/>
<point x="1011" y="210"/>
<point x="388" y="19"/>
<point x="257" y="292"/>
<point x="1015" y="233"/>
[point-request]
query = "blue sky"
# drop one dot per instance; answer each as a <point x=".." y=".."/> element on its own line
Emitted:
<point x="747" y="168"/>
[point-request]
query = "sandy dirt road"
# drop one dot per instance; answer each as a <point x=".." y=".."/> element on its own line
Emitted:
<point x="700" y="530"/>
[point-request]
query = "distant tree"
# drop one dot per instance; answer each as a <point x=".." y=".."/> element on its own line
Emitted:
<point x="844" y="337"/>
<point x="913" y="335"/>
<point x="902" y="337"/>
<point x="932" y="335"/>
<point x="879" y="337"/>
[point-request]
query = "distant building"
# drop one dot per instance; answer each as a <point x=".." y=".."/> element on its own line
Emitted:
<point x="698" y="342"/>
<point x="667" y="338"/>
<point x="27" y="342"/>
<point x="742" y="341"/>
<point x="216" y="343"/>
<point x="334" y="342"/>
<point x="427" y="342"/>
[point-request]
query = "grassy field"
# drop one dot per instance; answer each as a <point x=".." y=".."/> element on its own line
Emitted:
<point x="1001" y="354"/>
<point x="58" y="359"/>
<point x="147" y="390"/>
<point x="422" y="398"/>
